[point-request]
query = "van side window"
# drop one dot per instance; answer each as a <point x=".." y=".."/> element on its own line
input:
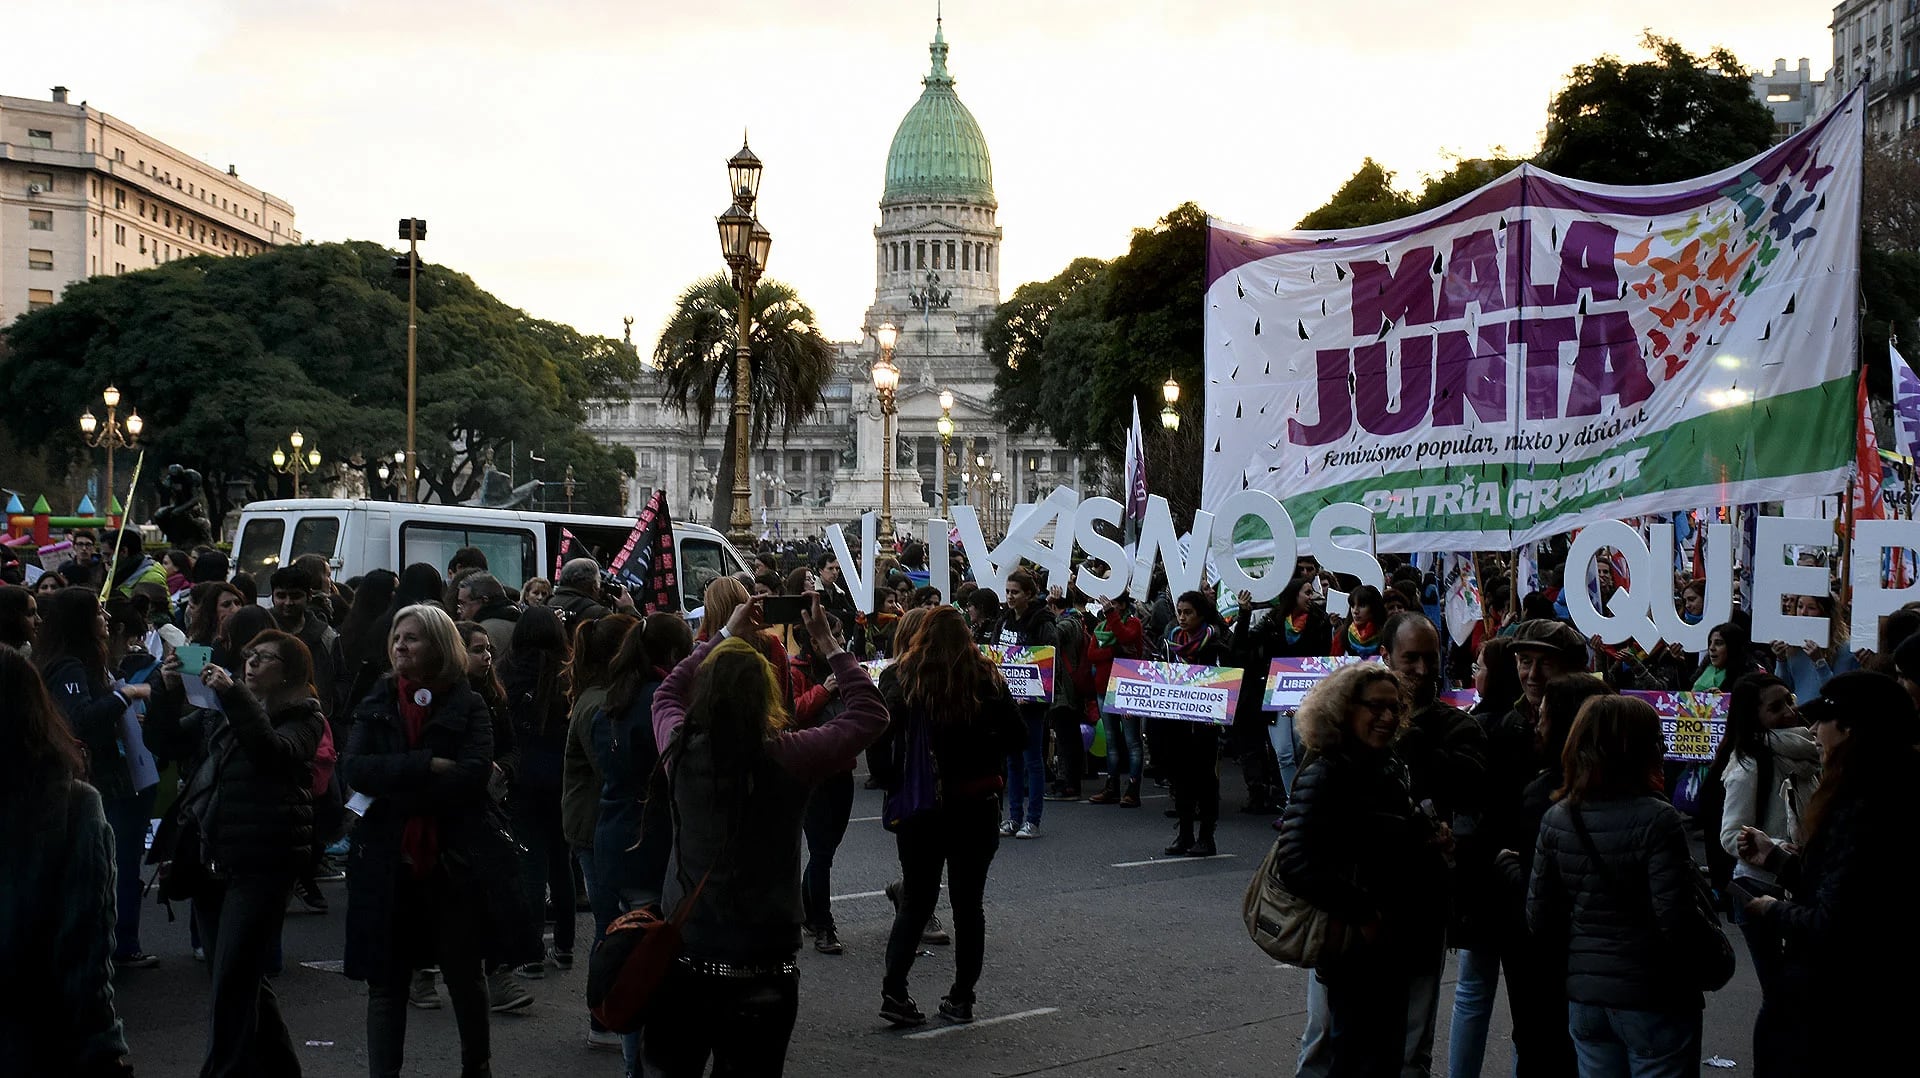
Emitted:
<point x="258" y="551"/>
<point x="316" y="535"/>
<point x="701" y="563"/>
<point x="510" y="552"/>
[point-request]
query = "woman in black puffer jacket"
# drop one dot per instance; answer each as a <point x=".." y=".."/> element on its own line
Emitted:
<point x="253" y="797"/>
<point x="1613" y="889"/>
<point x="1352" y="844"/>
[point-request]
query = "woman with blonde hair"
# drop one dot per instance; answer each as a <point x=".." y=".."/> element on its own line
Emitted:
<point x="1352" y="844"/>
<point x="740" y="781"/>
<point x="432" y="878"/>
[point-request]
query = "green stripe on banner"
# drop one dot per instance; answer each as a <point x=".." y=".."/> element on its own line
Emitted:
<point x="1807" y="432"/>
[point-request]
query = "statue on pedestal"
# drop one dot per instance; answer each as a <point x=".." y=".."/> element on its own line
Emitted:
<point x="183" y="520"/>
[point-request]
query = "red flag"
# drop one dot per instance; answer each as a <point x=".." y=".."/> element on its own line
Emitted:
<point x="1867" y="503"/>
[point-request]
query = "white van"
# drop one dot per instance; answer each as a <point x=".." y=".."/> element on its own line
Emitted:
<point x="357" y="536"/>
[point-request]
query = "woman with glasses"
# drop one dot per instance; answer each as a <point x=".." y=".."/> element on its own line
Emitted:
<point x="1352" y="844"/>
<point x="252" y="797"/>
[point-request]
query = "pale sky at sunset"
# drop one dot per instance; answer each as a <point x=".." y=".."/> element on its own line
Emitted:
<point x="569" y="154"/>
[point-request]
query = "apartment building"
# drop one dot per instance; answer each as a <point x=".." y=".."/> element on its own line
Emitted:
<point x="84" y="193"/>
<point x="1876" y="44"/>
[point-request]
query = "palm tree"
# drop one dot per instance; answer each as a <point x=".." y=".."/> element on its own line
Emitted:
<point x="791" y="365"/>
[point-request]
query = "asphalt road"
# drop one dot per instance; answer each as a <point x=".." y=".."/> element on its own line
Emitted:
<point x="1103" y="957"/>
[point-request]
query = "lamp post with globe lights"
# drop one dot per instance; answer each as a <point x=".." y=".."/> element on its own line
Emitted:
<point x="113" y="434"/>
<point x="945" y="426"/>
<point x="886" y="380"/>
<point x="295" y="463"/>
<point x="745" y="245"/>
<point x="1169" y="418"/>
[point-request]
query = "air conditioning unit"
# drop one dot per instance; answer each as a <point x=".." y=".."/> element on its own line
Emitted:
<point x="34" y="189"/>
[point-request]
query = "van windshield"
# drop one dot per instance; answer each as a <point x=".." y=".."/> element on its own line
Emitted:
<point x="258" y="551"/>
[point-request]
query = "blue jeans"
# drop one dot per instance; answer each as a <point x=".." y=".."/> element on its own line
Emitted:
<point x="1316" y="1042"/>
<point x="1282" y="736"/>
<point x="1613" y="1042"/>
<point x="1123" y="747"/>
<point x="1473" y="997"/>
<point x="128" y="816"/>
<point x="1027" y="777"/>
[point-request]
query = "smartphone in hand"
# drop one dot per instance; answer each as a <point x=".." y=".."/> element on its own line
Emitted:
<point x="193" y="658"/>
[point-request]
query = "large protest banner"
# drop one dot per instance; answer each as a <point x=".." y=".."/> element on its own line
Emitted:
<point x="1154" y="690"/>
<point x="1543" y="353"/>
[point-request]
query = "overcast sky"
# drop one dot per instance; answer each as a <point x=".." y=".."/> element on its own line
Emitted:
<point x="570" y="155"/>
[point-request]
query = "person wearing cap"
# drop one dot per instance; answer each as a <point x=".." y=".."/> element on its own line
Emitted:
<point x="1847" y="926"/>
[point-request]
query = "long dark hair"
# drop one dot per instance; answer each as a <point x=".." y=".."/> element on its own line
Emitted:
<point x="540" y="650"/>
<point x="204" y="601"/>
<point x="1613" y="752"/>
<point x="1366" y="599"/>
<point x="15" y="601"/>
<point x="1738" y="643"/>
<point x="239" y="631"/>
<point x="1503" y="677"/>
<point x="489" y="687"/>
<point x="1744" y="739"/>
<point x="1560" y="703"/>
<point x="944" y="671"/>
<point x="1878" y="751"/>
<point x="668" y="638"/>
<point x="1203" y="605"/>
<point x="595" y="643"/>
<point x="630" y="671"/>
<point x="68" y="620"/>
<point x="35" y="749"/>
<point x="370" y="600"/>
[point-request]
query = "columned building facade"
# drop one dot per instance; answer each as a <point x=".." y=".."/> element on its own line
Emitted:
<point x="937" y="281"/>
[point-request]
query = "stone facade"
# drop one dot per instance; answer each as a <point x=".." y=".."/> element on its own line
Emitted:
<point x="937" y="280"/>
<point x="84" y="193"/>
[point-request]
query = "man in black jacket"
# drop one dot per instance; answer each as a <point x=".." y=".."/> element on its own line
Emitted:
<point x="483" y="599"/>
<point x="576" y="593"/>
<point x="293" y="589"/>
<point x="1026" y="623"/>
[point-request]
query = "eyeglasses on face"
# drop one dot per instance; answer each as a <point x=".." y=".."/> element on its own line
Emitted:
<point x="263" y="657"/>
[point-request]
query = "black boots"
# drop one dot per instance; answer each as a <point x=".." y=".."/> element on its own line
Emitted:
<point x="1183" y="842"/>
<point x="1204" y="847"/>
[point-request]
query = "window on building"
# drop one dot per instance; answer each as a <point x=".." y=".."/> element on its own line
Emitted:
<point x="39" y="140"/>
<point x="96" y="226"/>
<point x="919" y="254"/>
<point x="966" y="256"/>
<point x="42" y="180"/>
<point x="39" y="259"/>
<point x="143" y="243"/>
<point x="39" y="299"/>
<point x="40" y="220"/>
<point x="142" y="207"/>
<point x="119" y="198"/>
<point x="120" y="235"/>
<point x="646" y="458"/>
<point x="120" y="156"/>
<point x="950" y="261"/>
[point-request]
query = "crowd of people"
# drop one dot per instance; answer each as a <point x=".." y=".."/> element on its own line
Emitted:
<point x="475" y="758"/>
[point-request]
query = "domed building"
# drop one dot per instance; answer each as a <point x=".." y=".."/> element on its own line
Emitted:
<point x="937" y="281"/>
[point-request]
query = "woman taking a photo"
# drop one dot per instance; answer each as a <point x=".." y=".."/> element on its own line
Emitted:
<point x="740" y="781"/>
<point x="1613" y="888"/>
<point x="1769" y="765"/>
<point x="1352" y="844"/>
<point x="1849" y="920"/>
<point x="252" y="796"/>
<point x="948" y="699"/>
<point x="431" y="878"/>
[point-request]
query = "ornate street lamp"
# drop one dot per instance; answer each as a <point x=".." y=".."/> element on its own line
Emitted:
<point x="945" y="426"/>
<point x="745" y="244"/>
<point x="886" y="380"/>
<point x="113" y="434"/>
<point x="293" y="463"/>
<point x="1169" y="418"/>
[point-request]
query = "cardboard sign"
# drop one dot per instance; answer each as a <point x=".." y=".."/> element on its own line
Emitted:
<point x="1289" y="679"/>
<point x="1029" y="671"/>
<point x="1692" y="722"/>
<point x="1173" y="691"/>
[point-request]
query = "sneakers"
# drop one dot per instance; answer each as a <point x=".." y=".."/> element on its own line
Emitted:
<point x="1028" y="830"/>
<point x="604" y="1040"/>
<point x="338" y="849"/>
<point x="901" y="1011"/>
<point x="1007" y="828"/>
<point x="935" y="933"/>
<point x="199" y="954"/>
<point x="532" y="971"/>
<point x="307" y="898"/>
<point x="328" y="871"/>
<point x="422" y="993"/>
<point x="560" y="958"/>
<point x="136" y="960"/>
<point x="827" y="941"/>
<point x="955" y="1011"/>
<point x="504" y="993"/>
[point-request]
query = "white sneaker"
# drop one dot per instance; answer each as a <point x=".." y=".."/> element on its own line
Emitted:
<point x="1007" y="828"/>
<point x="1028" y="830"/>
<point x="603" y="1039"/>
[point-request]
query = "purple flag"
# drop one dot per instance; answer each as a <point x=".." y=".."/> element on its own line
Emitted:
<point x="1906" y="404"/>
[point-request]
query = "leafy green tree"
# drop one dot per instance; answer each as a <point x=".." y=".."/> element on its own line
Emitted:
<point x="1367" y="198"/>
<point x="789" y="362"/>
<point x="1044" y="341"/>
<point x="1674" y="117"/>
<point x="225" y="356"/>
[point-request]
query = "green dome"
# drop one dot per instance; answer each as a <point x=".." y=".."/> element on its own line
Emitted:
<point x="938" y="151"/>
